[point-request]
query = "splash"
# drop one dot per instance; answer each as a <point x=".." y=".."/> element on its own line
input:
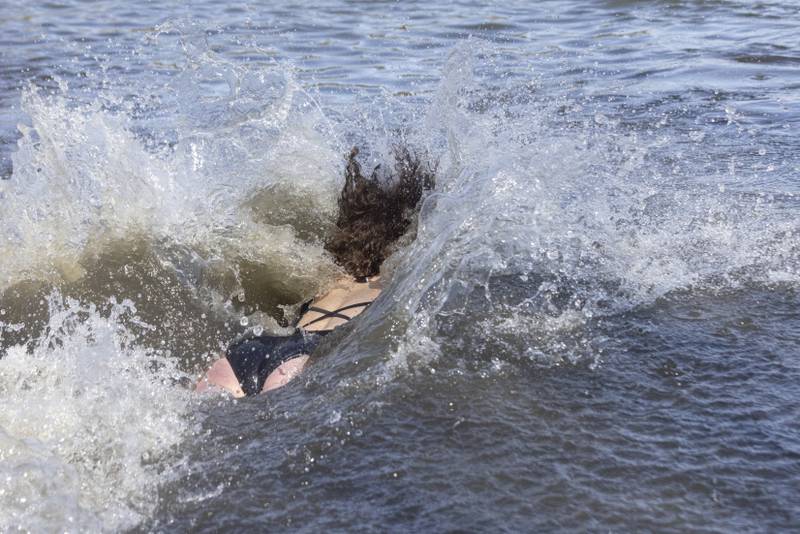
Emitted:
<point x="549" y="214"/>
<point x="90" y="422"/>
<point x="548" y="219"/>
<point x="204" y="213"/>
<point x="237" y="178"/>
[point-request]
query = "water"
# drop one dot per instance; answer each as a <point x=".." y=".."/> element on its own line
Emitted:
<point x="595" y="329"/>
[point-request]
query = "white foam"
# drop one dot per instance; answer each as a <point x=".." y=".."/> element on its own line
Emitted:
<point x="90" y="423"/>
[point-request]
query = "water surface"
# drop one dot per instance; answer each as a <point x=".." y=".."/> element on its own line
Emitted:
<point x="595" y="329"/>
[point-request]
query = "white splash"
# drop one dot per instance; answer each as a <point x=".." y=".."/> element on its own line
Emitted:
<point x="86" y="175"/>
<point x="580" y="215"/>
<point x="90" y="424"/>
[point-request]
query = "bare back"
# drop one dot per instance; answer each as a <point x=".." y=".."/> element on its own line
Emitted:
<point x="344" y="301"/>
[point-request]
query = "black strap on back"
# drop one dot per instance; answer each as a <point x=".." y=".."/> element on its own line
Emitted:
<point x="335" y="313"/>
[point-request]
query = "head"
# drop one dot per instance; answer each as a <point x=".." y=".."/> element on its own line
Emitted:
<point x="374" y="215"/>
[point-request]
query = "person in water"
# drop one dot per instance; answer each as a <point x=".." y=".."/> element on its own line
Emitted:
<point x="372" y="218"/>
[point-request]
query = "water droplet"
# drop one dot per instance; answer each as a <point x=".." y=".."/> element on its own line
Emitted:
<point x="762" y="151"/>
<point x="244" y="321"/>
<point x="258" y="330"/>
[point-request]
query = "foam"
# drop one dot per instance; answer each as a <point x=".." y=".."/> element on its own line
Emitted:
<point x="90" y="423"/>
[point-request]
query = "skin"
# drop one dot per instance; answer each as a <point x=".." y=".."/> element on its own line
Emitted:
<point x="344" y="292"/>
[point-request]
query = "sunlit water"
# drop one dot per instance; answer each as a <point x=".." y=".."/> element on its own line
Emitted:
<point x="596" y="328"/>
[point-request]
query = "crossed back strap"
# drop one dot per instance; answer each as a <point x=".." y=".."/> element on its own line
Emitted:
<point x="337" y="313"/>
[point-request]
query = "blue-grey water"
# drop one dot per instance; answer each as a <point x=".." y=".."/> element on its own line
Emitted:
<point x="597" y="327"/>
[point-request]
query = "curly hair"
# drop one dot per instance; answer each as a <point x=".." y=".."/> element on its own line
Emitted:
<point x="372" y="216"/>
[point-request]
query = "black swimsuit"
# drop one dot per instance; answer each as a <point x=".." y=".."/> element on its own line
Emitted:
<point x="253" y="358"/>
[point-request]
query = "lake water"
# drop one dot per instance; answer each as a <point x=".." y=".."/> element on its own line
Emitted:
<point x="596" y="329"/>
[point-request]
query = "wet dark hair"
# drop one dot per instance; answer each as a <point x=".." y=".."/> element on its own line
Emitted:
<point x="373" y="216"/>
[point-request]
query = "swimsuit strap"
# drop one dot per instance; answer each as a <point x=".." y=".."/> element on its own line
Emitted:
<point x="335" y="313"/>
<point x="303" y="310"/>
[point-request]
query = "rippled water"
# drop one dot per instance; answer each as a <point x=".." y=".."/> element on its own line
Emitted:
<point x="596" y="328"/>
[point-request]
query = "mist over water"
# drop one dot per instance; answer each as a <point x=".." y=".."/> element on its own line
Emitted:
<point x="595" y="328"/>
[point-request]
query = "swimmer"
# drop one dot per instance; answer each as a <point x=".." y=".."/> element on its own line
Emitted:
<point x="372" y="218"/>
